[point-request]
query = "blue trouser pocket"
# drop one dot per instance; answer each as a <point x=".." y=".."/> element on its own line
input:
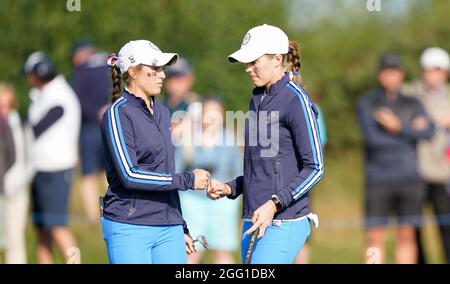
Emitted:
<point x="280" y="244"/>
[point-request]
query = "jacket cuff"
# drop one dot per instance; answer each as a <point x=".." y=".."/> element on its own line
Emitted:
<point x="232" y="185"/>
<point x="285" y="198"/>
<point x="185" y="228"/>
<point x="184" y="181"/>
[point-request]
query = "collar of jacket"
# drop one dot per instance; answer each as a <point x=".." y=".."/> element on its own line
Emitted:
<point x="381" y="92"/>
<point x="136" y="101"/>
<point x="275" y="88"/>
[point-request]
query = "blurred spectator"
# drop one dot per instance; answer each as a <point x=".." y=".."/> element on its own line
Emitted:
<point x="322" y="127"/>
<point x="7" y="157"/>
<point x="179" y="81"/>
<point x="7" y="151"/>
<point x="54" y="116"/>
<point x="434" y="92"/>
<point x="91" y="82"/>
<point x="392" y="124"/>
<point x="213" y="219"/>
<point x="16" y="182"/>
<point x="182" y="101"/>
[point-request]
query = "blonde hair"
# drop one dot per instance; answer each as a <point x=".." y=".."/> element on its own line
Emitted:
<point x="6" y="88"/>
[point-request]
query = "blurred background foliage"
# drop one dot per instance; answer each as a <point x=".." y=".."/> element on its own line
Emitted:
<point x="340" y="41"/>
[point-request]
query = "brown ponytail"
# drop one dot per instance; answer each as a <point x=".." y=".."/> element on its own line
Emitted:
<point x="116" y="80"/>
<point x="293" y="63"/>
<point x="117" y="77"/>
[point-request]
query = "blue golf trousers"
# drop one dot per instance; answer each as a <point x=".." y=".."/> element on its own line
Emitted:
<point x="136" y="244"/>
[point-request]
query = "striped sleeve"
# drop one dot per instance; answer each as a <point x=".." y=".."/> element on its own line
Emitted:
<point x="118" y="131"/>
<point x="302" y="121"/>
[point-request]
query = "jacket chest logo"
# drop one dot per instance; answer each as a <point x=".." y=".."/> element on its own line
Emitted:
<point x="270" y="116"/>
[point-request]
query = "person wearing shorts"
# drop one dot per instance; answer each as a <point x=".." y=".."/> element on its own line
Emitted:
<point x="401" y="199"/>
<point x="91" y="82"/>
<point x="54" y="118"/>
<point x="392" y="124"/>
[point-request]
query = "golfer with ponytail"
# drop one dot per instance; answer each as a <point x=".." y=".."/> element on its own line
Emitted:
<point x="276" y="182"/>
<point x="141" y="215"/>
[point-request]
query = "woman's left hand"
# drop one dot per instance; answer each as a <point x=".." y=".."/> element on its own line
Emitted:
<point x="190" y="246"/>
<point x="262" y="218"/>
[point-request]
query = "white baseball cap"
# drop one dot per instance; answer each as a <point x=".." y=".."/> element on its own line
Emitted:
<point x="435" y="57"/>
<point x="260" y="40"/>
<point x="137" y="52"/>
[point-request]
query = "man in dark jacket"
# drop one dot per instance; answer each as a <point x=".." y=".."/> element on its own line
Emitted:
<point x="92" y="85"/>
<point x="392" y="124"/>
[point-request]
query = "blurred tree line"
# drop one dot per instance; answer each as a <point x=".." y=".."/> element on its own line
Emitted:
<point x="338" y="51"/>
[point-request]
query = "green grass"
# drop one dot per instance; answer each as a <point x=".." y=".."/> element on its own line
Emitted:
<point x="338" y="200"/>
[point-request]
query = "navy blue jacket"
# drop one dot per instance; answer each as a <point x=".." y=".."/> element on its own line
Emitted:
<point x="140" y="164"/>
<point x="297" y="164"/>
<point x="391" y="158"/>
<point x="91" y="82"/>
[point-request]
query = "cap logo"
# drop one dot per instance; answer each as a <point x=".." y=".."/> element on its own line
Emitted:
<point x="155" y="62"/>
<point x="131" y="59"/>
<point x="246" y="39"/>
<point x="153" y="46"/>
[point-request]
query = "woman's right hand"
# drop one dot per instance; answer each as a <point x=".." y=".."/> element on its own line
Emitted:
<point x="218" y="190"/>
<point x="202" y="179"/>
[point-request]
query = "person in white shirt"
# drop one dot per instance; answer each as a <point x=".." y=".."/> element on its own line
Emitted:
<point x="54" y="117"/>
<point x="15" y="182"/>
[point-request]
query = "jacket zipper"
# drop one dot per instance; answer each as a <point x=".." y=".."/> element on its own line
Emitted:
<point x="277" y="175"/>
<point x="163" y="138"/>
<point x="167" y="153"/>
<point x="257" y="116"/>
<point x="165" y="146"/>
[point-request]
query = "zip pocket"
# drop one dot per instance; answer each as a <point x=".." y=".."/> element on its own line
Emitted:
<point x="277" y="175"/>
<point x="133" y="205"/>
<point x="101" y="203"/>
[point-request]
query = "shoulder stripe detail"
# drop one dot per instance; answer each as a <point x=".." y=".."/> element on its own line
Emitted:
<point x="314" y="140"/>
<point x="126" y="166"/>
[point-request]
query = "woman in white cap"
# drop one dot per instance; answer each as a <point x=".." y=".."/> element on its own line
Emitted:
<point x="277" y="175"/>
<point x="142" y="220"/>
